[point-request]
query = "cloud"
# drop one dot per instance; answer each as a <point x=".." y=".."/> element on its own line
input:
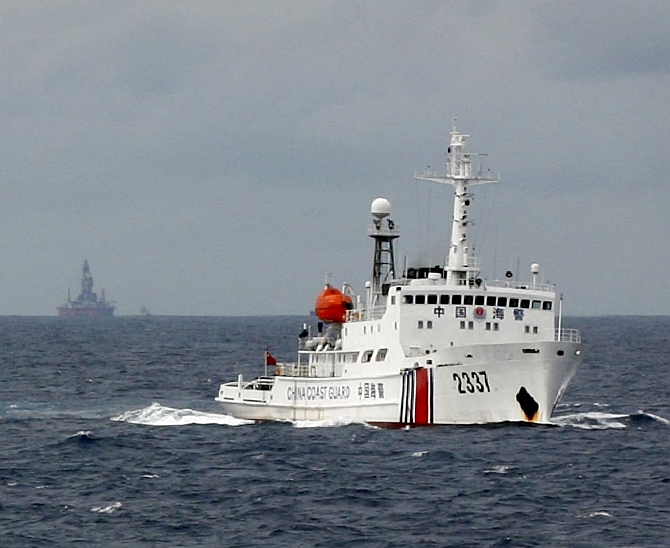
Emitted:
<point x="602" y="40"/>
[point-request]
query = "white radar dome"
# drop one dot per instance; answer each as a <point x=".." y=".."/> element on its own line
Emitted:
<point x="380" y="208"/>
<point x="535" y="268"/>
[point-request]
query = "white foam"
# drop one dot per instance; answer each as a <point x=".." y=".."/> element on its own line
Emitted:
<point x="592" y="420"/>
<point x="331" y="423"/>
<point x="157" y="415"/>
<point x="597" y="514"/>
<point x="419" y="453"/>
<point x="107" y="509"/>
<point x="82" y="434"/>
<point x="498" y="469"/>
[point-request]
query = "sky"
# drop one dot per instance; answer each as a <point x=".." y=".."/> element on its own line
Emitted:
<point x="220" y="157"/>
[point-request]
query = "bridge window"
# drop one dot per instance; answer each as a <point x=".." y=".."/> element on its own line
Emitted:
<point x="455" y="299"/>
<point x="467" y="299"/>
<point x="536" y="305"/>
<point x="491" y="301"/>
<point x="502" y="301"/>
<point x="409" y="299"/>
<point x="432" y="299"/>
<point x="444" y="299"/>
<point x="381" y="354"/>
<point x="479" y="299"/>
<point x="420" y="299"/>
<point x="546" y="305"/>
<point x="514" y="302"/>
<point x="367" y="356"/>
<point x="525" y="303"/>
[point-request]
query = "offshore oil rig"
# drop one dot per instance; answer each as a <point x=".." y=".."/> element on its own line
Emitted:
<point x="87" y="303"/>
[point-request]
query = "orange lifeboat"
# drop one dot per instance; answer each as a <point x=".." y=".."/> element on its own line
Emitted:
<point x="332" y="305"/>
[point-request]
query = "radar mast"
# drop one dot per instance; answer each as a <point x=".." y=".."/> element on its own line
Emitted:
<point x="462" y="266"/>
<point x="383" y="231"/>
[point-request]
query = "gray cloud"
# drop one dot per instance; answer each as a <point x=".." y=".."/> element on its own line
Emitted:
<point x="603" y="40"/>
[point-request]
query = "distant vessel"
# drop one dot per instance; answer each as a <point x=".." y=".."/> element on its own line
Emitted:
<point x="435" y="345"/>
<point x="87" y="303"/>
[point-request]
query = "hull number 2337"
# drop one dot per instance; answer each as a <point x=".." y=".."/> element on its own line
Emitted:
<point x="469" y="383"/>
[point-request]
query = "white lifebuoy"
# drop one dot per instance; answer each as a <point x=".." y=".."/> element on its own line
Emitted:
<point x="480" y="312"/>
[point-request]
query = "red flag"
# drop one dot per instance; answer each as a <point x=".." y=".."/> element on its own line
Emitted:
<point x="270" y="359"/>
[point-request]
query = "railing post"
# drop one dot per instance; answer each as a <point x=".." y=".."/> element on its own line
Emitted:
<point x="560" y="316"/>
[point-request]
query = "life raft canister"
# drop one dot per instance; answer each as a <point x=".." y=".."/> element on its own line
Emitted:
<point x="480" y="312"/>
<point x="332" y="305"/>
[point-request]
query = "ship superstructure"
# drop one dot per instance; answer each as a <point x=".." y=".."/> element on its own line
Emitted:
<point x="435" y="345"/>
<point x="87" y="303"/>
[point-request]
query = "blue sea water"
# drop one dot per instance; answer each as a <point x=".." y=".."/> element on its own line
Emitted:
<point x="110" y="436"/>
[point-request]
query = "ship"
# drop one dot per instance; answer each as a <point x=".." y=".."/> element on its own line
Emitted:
<point x="87" y="303"/>
<point x="431" y="345"/>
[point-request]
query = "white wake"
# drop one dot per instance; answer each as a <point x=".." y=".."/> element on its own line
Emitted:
<point x="326" y="423"/>
<point x="157" y="415"/>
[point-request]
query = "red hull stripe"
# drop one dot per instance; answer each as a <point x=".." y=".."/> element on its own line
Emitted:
<point x="421" y="401"/>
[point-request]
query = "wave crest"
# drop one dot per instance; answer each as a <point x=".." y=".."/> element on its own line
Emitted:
<point x="597" y="420"/>
<point x="106" y="509"/>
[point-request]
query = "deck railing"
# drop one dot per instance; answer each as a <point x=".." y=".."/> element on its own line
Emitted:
<point x="293" y="369"/>
<point x="567" y="335"/>
<point x="364" y="313"/>
<point x="314" y="370"/>
<point x="521" y="285"/>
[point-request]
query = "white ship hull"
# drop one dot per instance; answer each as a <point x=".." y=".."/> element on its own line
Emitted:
<point x="499" y="383"/>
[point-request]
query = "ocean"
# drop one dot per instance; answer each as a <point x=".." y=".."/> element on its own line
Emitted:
<point x="110" y="436"/>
